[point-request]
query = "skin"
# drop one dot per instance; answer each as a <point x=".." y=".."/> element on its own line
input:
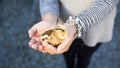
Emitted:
<point x="49" y="21"/>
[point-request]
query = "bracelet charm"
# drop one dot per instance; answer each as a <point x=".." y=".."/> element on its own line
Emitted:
<point x="75" y="20"/>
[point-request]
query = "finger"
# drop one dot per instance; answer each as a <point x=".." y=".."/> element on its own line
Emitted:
<point x="52" y="50"/>
<point x="64" y="45"/>
<point x="46" y="50"/>
<point x="33" y="44"/>
<point x="36" y="38"/>
<point x="32" y="31"/>
<point x="49" y="48"/>
<point x="41" y="49"/>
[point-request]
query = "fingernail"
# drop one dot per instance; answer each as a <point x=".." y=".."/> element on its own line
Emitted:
<point x="30" y="36"/>
<point x="40" y="47"/>
<point x="32" y="46"/>
<point x="49" y="45"/>
<point x="44" y="43"/>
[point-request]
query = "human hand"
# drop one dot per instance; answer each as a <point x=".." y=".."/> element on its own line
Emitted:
<point x="64" y="46"/>
<point x="35" y="33"/>
<point x="48" y="21"/>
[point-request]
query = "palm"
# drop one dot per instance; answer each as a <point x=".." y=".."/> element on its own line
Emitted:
<point x="43" y="26"/>
<point x="64" y="46"/>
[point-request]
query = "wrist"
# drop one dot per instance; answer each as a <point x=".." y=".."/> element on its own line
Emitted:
<point x="50" y="18"/>
<point x="75" y="21"/>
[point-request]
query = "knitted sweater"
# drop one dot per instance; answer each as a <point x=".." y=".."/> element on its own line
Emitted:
<point x="97" y="15"/>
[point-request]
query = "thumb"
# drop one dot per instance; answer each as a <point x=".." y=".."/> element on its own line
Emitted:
<point x="64" y="45"/>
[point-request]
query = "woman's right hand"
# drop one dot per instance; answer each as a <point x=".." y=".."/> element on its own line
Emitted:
<point x="49" y="21"/>
<point x="39" y="28"/>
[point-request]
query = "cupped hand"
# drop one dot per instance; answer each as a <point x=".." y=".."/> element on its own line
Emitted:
<point x="40" y="27"/>
<point x="64" y="46"/>
<point x="35" y="34"/>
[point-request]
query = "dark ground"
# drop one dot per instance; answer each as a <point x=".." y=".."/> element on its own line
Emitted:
<point x="17" y="16"/>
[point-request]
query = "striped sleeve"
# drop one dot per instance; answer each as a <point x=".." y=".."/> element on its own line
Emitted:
<point x="96" y="12"/>
<point x="49" y="6"/>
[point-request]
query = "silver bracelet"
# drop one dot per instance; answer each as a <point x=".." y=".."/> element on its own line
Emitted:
<point x="76" y="21"/>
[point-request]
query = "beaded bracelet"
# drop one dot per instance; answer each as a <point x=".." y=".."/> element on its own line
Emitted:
<point x="75" y="20"/>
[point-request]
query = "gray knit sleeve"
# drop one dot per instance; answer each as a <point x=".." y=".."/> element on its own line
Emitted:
<point x="96" y="12"/>
<point x="49" y="6"/>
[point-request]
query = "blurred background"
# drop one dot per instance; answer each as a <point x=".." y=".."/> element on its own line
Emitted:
<point x="17" y="16"/>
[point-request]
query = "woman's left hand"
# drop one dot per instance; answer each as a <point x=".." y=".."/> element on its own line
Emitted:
<point x="64" y="46"/>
